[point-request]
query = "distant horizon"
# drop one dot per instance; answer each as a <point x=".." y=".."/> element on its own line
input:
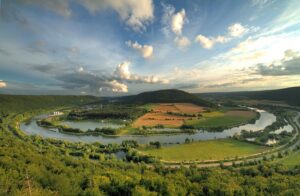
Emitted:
<point x="123" y="47"/>
<point x="151" y="91"/>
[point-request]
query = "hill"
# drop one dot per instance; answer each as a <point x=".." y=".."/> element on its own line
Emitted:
<point x="23" y="103"/>
<point x="165" y="96"/>
<point x="287" y="95"/>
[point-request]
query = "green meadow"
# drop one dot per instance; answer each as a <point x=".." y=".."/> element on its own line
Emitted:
<point x="290" y="161"/>
<point x="219" y="119"/>
<point x="205" y="150"/>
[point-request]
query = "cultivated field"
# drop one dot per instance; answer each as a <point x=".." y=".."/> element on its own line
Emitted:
<point x="206" y="150"/>
<point x="168" y="114"/>
<point x="224" y="119"/>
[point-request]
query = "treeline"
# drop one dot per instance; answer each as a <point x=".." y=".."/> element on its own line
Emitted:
<point x="108" y="112"/>
<point x="22" y="103"/>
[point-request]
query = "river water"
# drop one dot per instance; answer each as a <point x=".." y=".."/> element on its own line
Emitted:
<point x="32" y="128"/>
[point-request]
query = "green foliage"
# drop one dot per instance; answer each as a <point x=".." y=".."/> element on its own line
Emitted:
<point x="166" y="96"/>
<point x="22" y="103"/>
<point x="31" y="165"/>
<point x="109" y="111"/>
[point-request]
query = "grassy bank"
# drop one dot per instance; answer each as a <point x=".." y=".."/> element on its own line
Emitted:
<point x="222" y="119"/>
<point x="205" y="150"/>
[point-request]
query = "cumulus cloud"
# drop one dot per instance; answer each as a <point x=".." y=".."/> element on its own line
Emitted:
<point x="135" y="13"/>
<point x="174" y="22"/>
<point x="205" y="41"/>
<point x="122" y="70"/>
<point x="145" y="50"/>
<point x="288" y="65"/>
<point x="2" y="84"/>
<point x="123" y="73"/>
<point x="182" y="41"/>
<point x="178" y="21"/>
<point x="118" y="87"/>
<point x="234" y="30"/>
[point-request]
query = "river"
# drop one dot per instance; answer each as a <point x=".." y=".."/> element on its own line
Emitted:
<point x="32" y="128"/>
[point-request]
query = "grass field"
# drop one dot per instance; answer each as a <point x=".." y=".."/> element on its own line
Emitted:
<point x="290" y="161"/>
<point x="224" y="119"/>
<point x="206" y="150"/>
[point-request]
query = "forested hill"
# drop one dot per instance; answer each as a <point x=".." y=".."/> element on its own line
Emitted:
<point x="165" y="96"/>
<point x="289" y="95"/>
<point x="21" y="103"/>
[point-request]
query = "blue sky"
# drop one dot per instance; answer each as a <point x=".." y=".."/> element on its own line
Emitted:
<point x="114" y="48"/>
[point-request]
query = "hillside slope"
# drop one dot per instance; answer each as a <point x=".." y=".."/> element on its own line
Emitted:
<point x="22" y="103"/>
<point x="165" y="96"/>
<point x="289" y="95"/>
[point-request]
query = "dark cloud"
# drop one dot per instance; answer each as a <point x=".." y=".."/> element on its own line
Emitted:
<point x="290" y="65"/>
<point x="186" y="86"/>
<point x="82" y="79"/>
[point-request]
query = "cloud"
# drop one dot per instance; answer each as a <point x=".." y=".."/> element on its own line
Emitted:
<point x="145" y="50"/>
<point x="289" y="65"/>
<point x="178" y="21"/>
<point x="122" y="73"/>
<point x="135" y="13"/>
<point x="80" y="69"/>
<point x="205" y="41"/>
<point x="234" y="30"/>
<point x="2" y="84"/>
<point x="182" y="41"/>
<point x="118" y="87"/>
<point x="81" y="79"/>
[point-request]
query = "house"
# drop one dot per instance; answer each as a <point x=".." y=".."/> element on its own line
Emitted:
<point x="56" y="113"/>
<point x="271" y="142"/>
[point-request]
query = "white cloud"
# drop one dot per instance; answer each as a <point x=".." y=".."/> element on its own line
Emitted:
<point x="136" y="13"/>
<point x="122" y="72"/>
<point x="205" y="41"/>
<point x="178" y="21"/>
<point x="118" y="87"/>
<point x="145" y="50"/>
<point x="2" y="84"/>
<point x="80" y="69"/>
<point x="182" y="41"/>
<point x="236" y="30"/>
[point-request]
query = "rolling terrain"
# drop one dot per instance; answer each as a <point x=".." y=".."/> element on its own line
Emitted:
<point x="287" y="95"/>
<point x="165" y="96"/>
